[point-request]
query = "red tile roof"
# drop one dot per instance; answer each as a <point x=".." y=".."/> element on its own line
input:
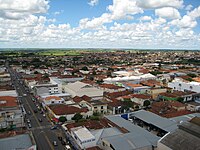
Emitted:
<point x="90" y="124"/>
<point x="139" y="96"/>
<point x="62" y="109"/>
<point x="110" y="86"/>
<point x="52" y="98"/>
<point x="151" y="83"/>
<point x="8" y="101"/>
<point x="118" y="94"/>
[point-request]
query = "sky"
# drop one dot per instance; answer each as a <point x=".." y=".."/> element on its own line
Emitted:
<point x="133" y="24"/>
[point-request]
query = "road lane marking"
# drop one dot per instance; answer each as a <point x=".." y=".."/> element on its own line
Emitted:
<point x="47" y="139"/>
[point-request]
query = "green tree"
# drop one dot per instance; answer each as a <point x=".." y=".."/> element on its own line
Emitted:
<point x="85" y="68"/>
<point x="146" y="103"/>
<point x="180" y="99"/>
<point x="62" y="119"/>
<point x="191" y="75"/>
<point x="77" y="117"/>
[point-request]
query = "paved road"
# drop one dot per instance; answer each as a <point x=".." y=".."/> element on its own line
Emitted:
<point x="42" y="132"/>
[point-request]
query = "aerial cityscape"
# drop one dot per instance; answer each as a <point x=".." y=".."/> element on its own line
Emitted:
<point x="99" y="75"/>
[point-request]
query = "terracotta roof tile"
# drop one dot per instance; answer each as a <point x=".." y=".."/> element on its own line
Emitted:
<point x="62" y="109"/>
<point x="8" y="101"/>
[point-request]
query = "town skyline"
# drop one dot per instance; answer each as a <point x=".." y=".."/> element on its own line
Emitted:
<point x="129" y="24"/>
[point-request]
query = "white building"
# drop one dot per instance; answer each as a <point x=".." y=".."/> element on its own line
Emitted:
<point x="48" y="100"/>
<point x="81" y="89"/>
<point x="128" y="77"/>
<point x="181" y="85"/>
<point x="83" y="137"/>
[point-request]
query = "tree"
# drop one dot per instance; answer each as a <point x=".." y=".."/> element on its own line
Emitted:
<point x="191" y="75"/>
<point x="85" y="68"/>
<point x="180" y="99"/>
<point x="77" y="117"/>
<point x="62" y="119"/>
<point x="146" y="103"/>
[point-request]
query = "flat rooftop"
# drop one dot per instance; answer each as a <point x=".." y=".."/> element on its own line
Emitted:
<point x="83" y="133"/>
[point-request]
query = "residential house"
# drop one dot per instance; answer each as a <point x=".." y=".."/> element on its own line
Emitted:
<point x="94" y="105"/>
<point x="181" y="85"/>
<point x="111" y="88"/>
<point x="68" y="111"/>
<point x="10" y="113"/>
<point x="53" y="100"/>
<point x="83" y="137"/>
<point x="139" y="99"/>
<point x="154" y="92"/>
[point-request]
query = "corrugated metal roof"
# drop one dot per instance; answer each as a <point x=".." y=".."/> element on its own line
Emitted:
<point x="16" y="142"/>
<point x="135" y="130"/>
<point x="151" y="118"/>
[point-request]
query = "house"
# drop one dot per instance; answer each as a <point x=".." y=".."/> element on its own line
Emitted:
<point x="154" y="92"/>
<point x="111" y="88"/>
<point x="135" y="88"/>
<point x="68" y="111"/>
<point x="83" y="137"/>
<point x="139" y="99"/>
<point x="151" y="83"/>
<point x="10" y="113"/>
<point x="80" y="89"/>
<point x="94" y="105"/>
<point x="169" y="109"/>
<point x="181" y="85"/>
<point x="177" y="96"/>
<point x="193" y="106"/>
<point x="53" y="100"/>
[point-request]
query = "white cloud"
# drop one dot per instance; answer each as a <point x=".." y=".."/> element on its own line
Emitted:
<point x="185" y="22"/>
<point x="19" y="9"/>
<point x="145" y="18"/>
<point x="195" y="13"/>
<point x="149" y="4"/>
<point x="119" y="10"/>
<point x="57" y="13"/>
<point x="188" y="7"/>
<point x="28" y="30"/>
<point x="168" y="12"/>
<point x="93" y="2"/>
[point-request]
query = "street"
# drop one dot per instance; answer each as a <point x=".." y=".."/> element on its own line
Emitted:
<point x="39" y="124"/>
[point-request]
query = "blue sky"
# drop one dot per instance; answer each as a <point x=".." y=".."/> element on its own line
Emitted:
<point x="136" y="24"/>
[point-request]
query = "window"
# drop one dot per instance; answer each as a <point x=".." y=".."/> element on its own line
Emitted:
<point x="101" y="107"/>
<point x="191" y="87"/>
<point x="180" y="84"/>
<point x="95" y="107"/>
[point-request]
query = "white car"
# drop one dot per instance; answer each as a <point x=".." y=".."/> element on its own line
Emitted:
<point x="67" y="147"/>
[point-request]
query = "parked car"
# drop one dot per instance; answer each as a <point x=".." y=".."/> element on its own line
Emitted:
<point x="29" y="125"/>
<point x="40" y="119"/>
<point x="35" y="111"/>
<point x="28" y="120"/>
<point x="55" y="143"/>
<point x="67" y="147"/>
<point x="53" y="127"/>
